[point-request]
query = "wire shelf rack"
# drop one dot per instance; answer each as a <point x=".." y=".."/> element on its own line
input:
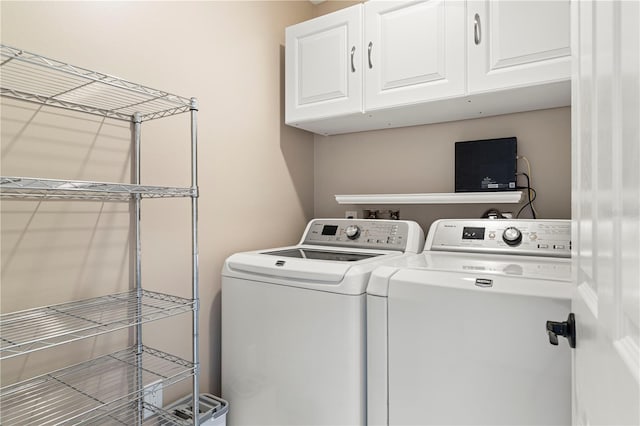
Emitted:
<point x="130" y="415"/>
<point x="40" y="328"/>
<point x="99" y="391"/>
<point x="84" y="393"/>
<point x="35" y="78"/>
<point x="37" y="188"/>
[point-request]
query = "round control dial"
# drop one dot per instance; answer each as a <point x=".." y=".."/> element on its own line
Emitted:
<point x="352" y="231"/>
<point x="512" y="236"/>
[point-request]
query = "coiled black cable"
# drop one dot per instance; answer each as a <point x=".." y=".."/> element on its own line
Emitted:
<point x="531" y="200"/>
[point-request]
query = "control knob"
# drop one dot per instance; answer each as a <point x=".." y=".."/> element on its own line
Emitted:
<point x="512" y="236"/>
<point x="352" y="231"/>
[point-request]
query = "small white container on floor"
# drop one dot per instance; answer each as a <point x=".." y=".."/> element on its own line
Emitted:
<point x="213" y="410"/>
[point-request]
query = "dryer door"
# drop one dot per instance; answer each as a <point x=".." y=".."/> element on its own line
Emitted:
<point x="472" y="350"/>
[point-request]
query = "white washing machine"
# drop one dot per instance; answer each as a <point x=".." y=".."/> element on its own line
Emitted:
<point x="293" y="323"/>
<point x="457" y="335"/>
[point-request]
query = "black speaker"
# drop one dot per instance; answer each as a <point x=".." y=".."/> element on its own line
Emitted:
<point x="486" y="165"/>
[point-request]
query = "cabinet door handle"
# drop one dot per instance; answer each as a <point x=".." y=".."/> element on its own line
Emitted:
<point x="369" y="51"/>
<point x="477" y="29"/>
<point x="353" y="51"/>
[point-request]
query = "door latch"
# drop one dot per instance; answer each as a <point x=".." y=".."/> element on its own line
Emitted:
<point x="564" y="329"/>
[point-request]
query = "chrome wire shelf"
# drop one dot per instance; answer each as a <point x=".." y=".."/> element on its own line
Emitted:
<point x="83" y="393"/>
<point x="40" y="328"/>
<point x="130" y="415"/>
<point x="99" y="391"/>
<point x="35" y="78"/>
<point x="37" y="188"/>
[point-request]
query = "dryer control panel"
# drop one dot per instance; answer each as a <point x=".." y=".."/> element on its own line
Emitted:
<point x="395" y="235"/>
<point x="531" y="237"/>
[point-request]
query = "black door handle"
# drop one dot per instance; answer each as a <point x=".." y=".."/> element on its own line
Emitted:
<point x="565" y="329"/>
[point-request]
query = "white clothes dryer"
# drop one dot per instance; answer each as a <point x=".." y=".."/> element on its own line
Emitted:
<point x="293" y="323"/>
<point x="457" y="335"/>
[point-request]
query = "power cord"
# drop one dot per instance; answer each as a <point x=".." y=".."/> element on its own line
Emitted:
<point x="530" y="196"/>
<point x="530" y="192"/>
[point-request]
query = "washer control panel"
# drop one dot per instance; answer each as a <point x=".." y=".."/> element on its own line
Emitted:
<point x="358" y="233"/>
<point x="532" y="237"/>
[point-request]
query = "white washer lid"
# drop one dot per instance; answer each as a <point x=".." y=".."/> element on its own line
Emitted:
<point x="288" y="268"/>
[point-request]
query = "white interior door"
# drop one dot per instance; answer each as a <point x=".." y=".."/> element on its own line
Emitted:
<point x="606" y="211"/>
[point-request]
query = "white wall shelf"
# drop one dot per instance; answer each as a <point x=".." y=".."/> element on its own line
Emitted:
<point x="434" y="198"/>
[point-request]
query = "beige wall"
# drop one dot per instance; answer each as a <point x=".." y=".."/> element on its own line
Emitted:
<point x="333" y="5"/>
<point x="256" y="175"/>
<point x="420" y="159"/>
<point x="259" y="179"/>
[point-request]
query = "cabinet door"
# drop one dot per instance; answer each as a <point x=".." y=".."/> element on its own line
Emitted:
<point x="415" y="51"/>
<point x="517" y="43"/>
<point x="323" y="66"/>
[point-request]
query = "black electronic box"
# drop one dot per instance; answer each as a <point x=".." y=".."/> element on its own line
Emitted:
<point x="486" y="165"/>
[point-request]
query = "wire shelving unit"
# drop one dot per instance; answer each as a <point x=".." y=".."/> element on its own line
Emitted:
<point x="40" y="328"/>
<point x="109" y="389"/>
<point x="35" y="78"/>
<point x="27" y="187"/>
<point x="128" y="415"/>
<point x="87" y="392"/>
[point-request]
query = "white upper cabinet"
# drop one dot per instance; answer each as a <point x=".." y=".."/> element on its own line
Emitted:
<point x="414" y="51"/>
<point x="517" y="43"/>
<point x="385" y="64"/>
<point x="323" y="62"/>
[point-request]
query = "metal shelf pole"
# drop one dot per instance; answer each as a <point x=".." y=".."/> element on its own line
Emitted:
<point x="138" y="266"/>
<point x="195" y="268"/>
